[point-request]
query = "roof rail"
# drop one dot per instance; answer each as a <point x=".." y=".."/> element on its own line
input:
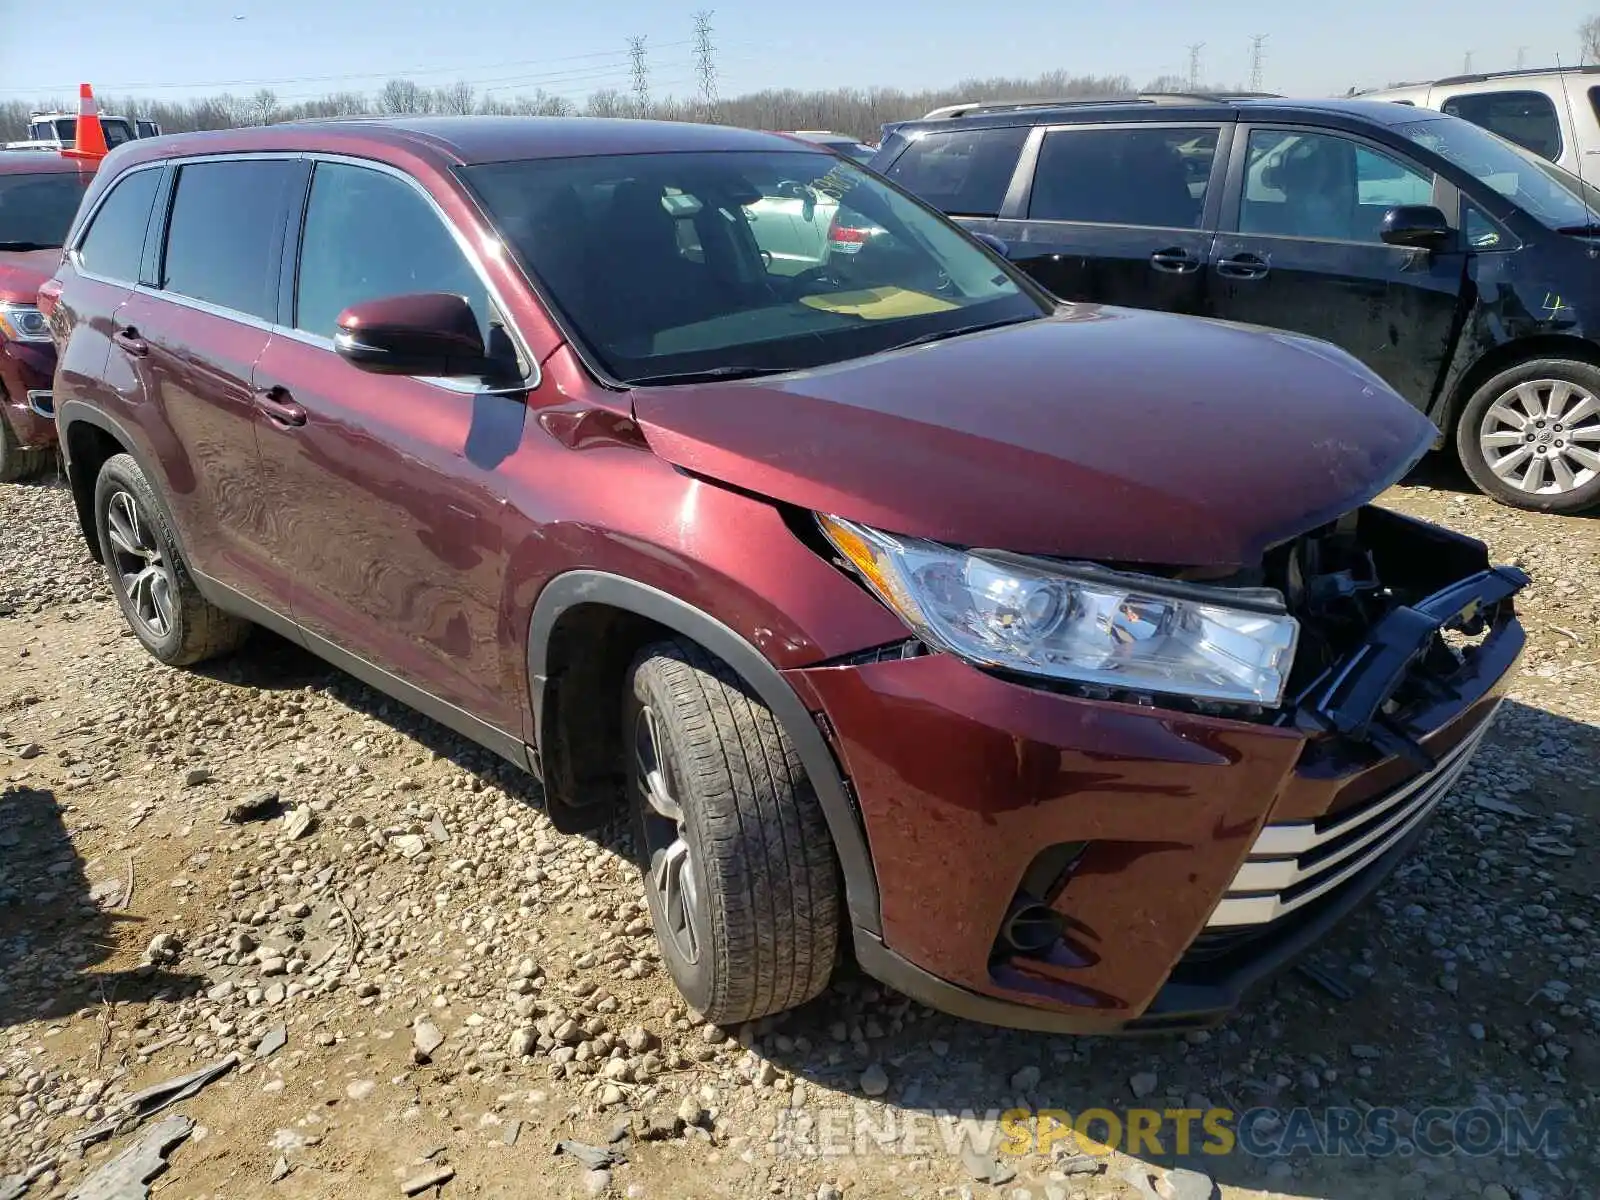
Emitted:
<point x="975" y="107"/>
<point x="1482" y="77"/>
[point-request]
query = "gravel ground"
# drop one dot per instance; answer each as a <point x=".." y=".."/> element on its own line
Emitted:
<point x="416" y="984"/>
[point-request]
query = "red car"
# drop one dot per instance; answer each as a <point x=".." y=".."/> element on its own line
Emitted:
<point x="1049" y="659"/>
<point x="39" y="194"/>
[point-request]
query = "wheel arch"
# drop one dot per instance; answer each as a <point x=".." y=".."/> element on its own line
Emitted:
<point x="88" y="439"/>
<point x="596" y="618"/>
<point x="1502" y="358"/>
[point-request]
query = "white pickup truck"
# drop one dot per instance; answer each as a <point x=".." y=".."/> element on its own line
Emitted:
<point x="59" y="131"/>
<point x="1552" y="111"/>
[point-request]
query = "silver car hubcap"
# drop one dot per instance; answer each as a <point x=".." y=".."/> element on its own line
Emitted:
<point x="673" y="875"/>
<point x="1543" y="437"/>
<point x="136" y="557"/>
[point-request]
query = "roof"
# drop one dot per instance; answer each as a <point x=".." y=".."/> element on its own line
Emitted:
<point x="1169" y="107"/>
<point x="1485" y="76"/>
<point x="39" y="162"/>
<point x="464" y="140"/>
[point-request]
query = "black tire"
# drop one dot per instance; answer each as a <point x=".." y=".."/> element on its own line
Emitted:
<point x="1544" y="439"/>
<point x="16" y="461"/>
<point x="186" y="628"/>
<point x="768" y="891"/>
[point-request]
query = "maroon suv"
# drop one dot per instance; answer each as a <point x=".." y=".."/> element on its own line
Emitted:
<point x="1048" y="658"/>
<point x="39" y="193"/>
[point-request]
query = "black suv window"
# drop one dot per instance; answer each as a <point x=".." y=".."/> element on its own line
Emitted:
<point x="1526" y="118"/>
<point x="114" y="244"/>
<point x="1317" y="185"/>
<point x="223" y="238"/>
<point x="370" y="235"/>
<point x="1131" y="176"/>
<point x="964" y="172"/>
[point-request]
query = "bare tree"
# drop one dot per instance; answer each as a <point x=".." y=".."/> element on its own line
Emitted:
<point x="458" y="99"/>
<point x="403" y="96"/>
<point x="264" y="106"/>
<point x="1589" y="41"/>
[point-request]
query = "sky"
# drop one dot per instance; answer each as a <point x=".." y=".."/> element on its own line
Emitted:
<point x="177" y="49"/>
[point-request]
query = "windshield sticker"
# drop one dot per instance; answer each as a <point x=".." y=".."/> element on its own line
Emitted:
<point x="880" y="303"/>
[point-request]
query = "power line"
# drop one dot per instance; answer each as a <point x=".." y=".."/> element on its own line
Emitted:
<point x="641" y="74"/>
<point x="1258" y="44"/>
<point x="704" y="60"/>
<point x="1194" y="65"/>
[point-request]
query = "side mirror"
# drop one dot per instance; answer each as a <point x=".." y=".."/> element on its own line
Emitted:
<point x="428" y="333"/>
<point x="994" y="243"/>
<point x="1420" y="226"/>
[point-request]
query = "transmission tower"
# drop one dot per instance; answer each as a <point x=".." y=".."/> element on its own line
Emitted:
<point x="641" y="75"/>
<point x="705" y="63"/>
<point x="1258" y="56"/>
<point x="1194" y="65"/>
<point x="1522" y="57"/>
<point x="1466" y="64"/>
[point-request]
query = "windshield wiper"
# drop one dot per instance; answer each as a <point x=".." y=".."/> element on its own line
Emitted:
<point x="709" y="375"/>
<point x="940" y="335"/>
<point x="29" y="246"/>
<point x="1592" y="229"/>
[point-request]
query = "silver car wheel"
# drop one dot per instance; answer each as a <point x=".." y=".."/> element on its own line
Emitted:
<point x="139" y="563"/>
<point x="674" y="875"/>
<point x="1543" y="437"/>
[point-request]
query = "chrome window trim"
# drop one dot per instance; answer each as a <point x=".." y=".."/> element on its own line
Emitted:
<point x="529" y="382"/>
<point x="475" y="260"/>
<point x="85" y="223"/>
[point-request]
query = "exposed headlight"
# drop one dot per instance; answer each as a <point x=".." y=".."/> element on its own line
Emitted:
<point x="23" y="323"/>
<point x="1079" y="622"/>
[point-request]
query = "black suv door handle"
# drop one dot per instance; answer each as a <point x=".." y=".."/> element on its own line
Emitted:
<point x="131" y="342"/>
<point x="279" y="406"/>
<point x="1176" y="261"/>
<point x="1243" y="266"/>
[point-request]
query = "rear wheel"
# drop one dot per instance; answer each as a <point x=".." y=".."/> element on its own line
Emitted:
<point x="154" y="589"/>
<point x="16" y="461"/>
<point x="738" y="865"/>
<point x="1530" y="437"/>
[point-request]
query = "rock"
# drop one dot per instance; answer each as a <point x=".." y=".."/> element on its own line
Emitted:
<point x="195" y="776"/>
<point x="360" y="1089"/>
<point x="712" y="1035"/>
<point x="1495" y="1191"/>
<point x="164" y="948"/>
<point x="259" y="806"/>
<point x="31" y="750"/>
<point x="425" y="1039"/>
<point x="273" y="1041"/>
<point x="1080" y="1164"/>
<point x="829" y="1191"/>
<point x="1026" y="1079"/>
<point x="298" y="822"/>
<point x="431" y="1178"/>
<point x="691" y="1112"/>
<point x="985" y="1168"/>
<point x="1365" y="1052"/>
<point x="659" y="1126"/>
<point x="221" y="991"/>
<point x="523" y="1042"/>
<point x="408" y="845"/>
<point x="1184" y="1184"/>
<point x="597" y="1183"/>
<point x="874" y="1081"/>
<point x="1142" y="1084"/>
<point x="639" y="1040"/>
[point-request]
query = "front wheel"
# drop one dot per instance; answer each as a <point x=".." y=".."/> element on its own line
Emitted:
<point x="1530" y="437"/>
<point x="18" y="462"/>
<point x="739" y="870"/>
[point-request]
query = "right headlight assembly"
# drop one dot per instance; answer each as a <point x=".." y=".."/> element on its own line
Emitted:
<point x="1079" y="622"/>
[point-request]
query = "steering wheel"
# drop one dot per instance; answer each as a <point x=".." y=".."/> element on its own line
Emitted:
<point x="823" y="275"/>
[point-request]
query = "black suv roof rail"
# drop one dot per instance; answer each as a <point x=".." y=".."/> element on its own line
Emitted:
<point x="975" y="107"/>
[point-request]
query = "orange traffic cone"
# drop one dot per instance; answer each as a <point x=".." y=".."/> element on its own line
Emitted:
<point x="91" y="139"/>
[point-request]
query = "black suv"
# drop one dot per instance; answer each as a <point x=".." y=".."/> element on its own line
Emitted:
<point x="1458" y="266"/>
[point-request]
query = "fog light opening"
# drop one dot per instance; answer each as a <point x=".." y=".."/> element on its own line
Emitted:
<point x="43" y="402"/>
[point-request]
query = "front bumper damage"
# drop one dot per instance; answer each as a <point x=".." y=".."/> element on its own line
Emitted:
<point x="1184" y="857"/>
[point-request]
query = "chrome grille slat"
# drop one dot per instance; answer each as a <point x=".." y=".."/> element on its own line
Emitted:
<point x="1270" y="884"/>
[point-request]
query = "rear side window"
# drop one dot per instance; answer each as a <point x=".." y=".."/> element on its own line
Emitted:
<point x="1132" y="176"/>
<point x="966" y="171"/>
<point x="225" y="231"/>
<point x="1526" y="118"/>
<point x="115" y="242"/>
<point x="369" y="235"/>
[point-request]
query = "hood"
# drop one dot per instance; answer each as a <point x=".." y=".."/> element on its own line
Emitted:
<point x="1099" y="433"/>
<point x="22" y="271"/>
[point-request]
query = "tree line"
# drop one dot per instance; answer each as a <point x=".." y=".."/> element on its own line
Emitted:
<point x="859" y="112"/>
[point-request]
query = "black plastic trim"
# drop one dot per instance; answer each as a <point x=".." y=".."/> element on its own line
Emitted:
<point x="81" y="412"/>
<point x="617" y="591"/>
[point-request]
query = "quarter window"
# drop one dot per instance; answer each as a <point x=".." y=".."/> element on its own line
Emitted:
<point x="1137" y="176"/>
<point x="965" y="172"/>
<point x="369" y="235"/>
<point x="1526" y="118"/>
<point x="114" y="245"/>
<point x="1314" y="185"/>
<point x="225" y="231"/>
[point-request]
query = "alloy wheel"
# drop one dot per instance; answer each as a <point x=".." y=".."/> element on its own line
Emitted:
<point x="1543" y="437"/>
<point x="673" y="874"/>
<point x="139" y="564"/>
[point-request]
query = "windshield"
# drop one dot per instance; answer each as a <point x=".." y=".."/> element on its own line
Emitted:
<point x="740" y="262"/>
<point x="1547" y="193"/>
<point x="35" y="210"/>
